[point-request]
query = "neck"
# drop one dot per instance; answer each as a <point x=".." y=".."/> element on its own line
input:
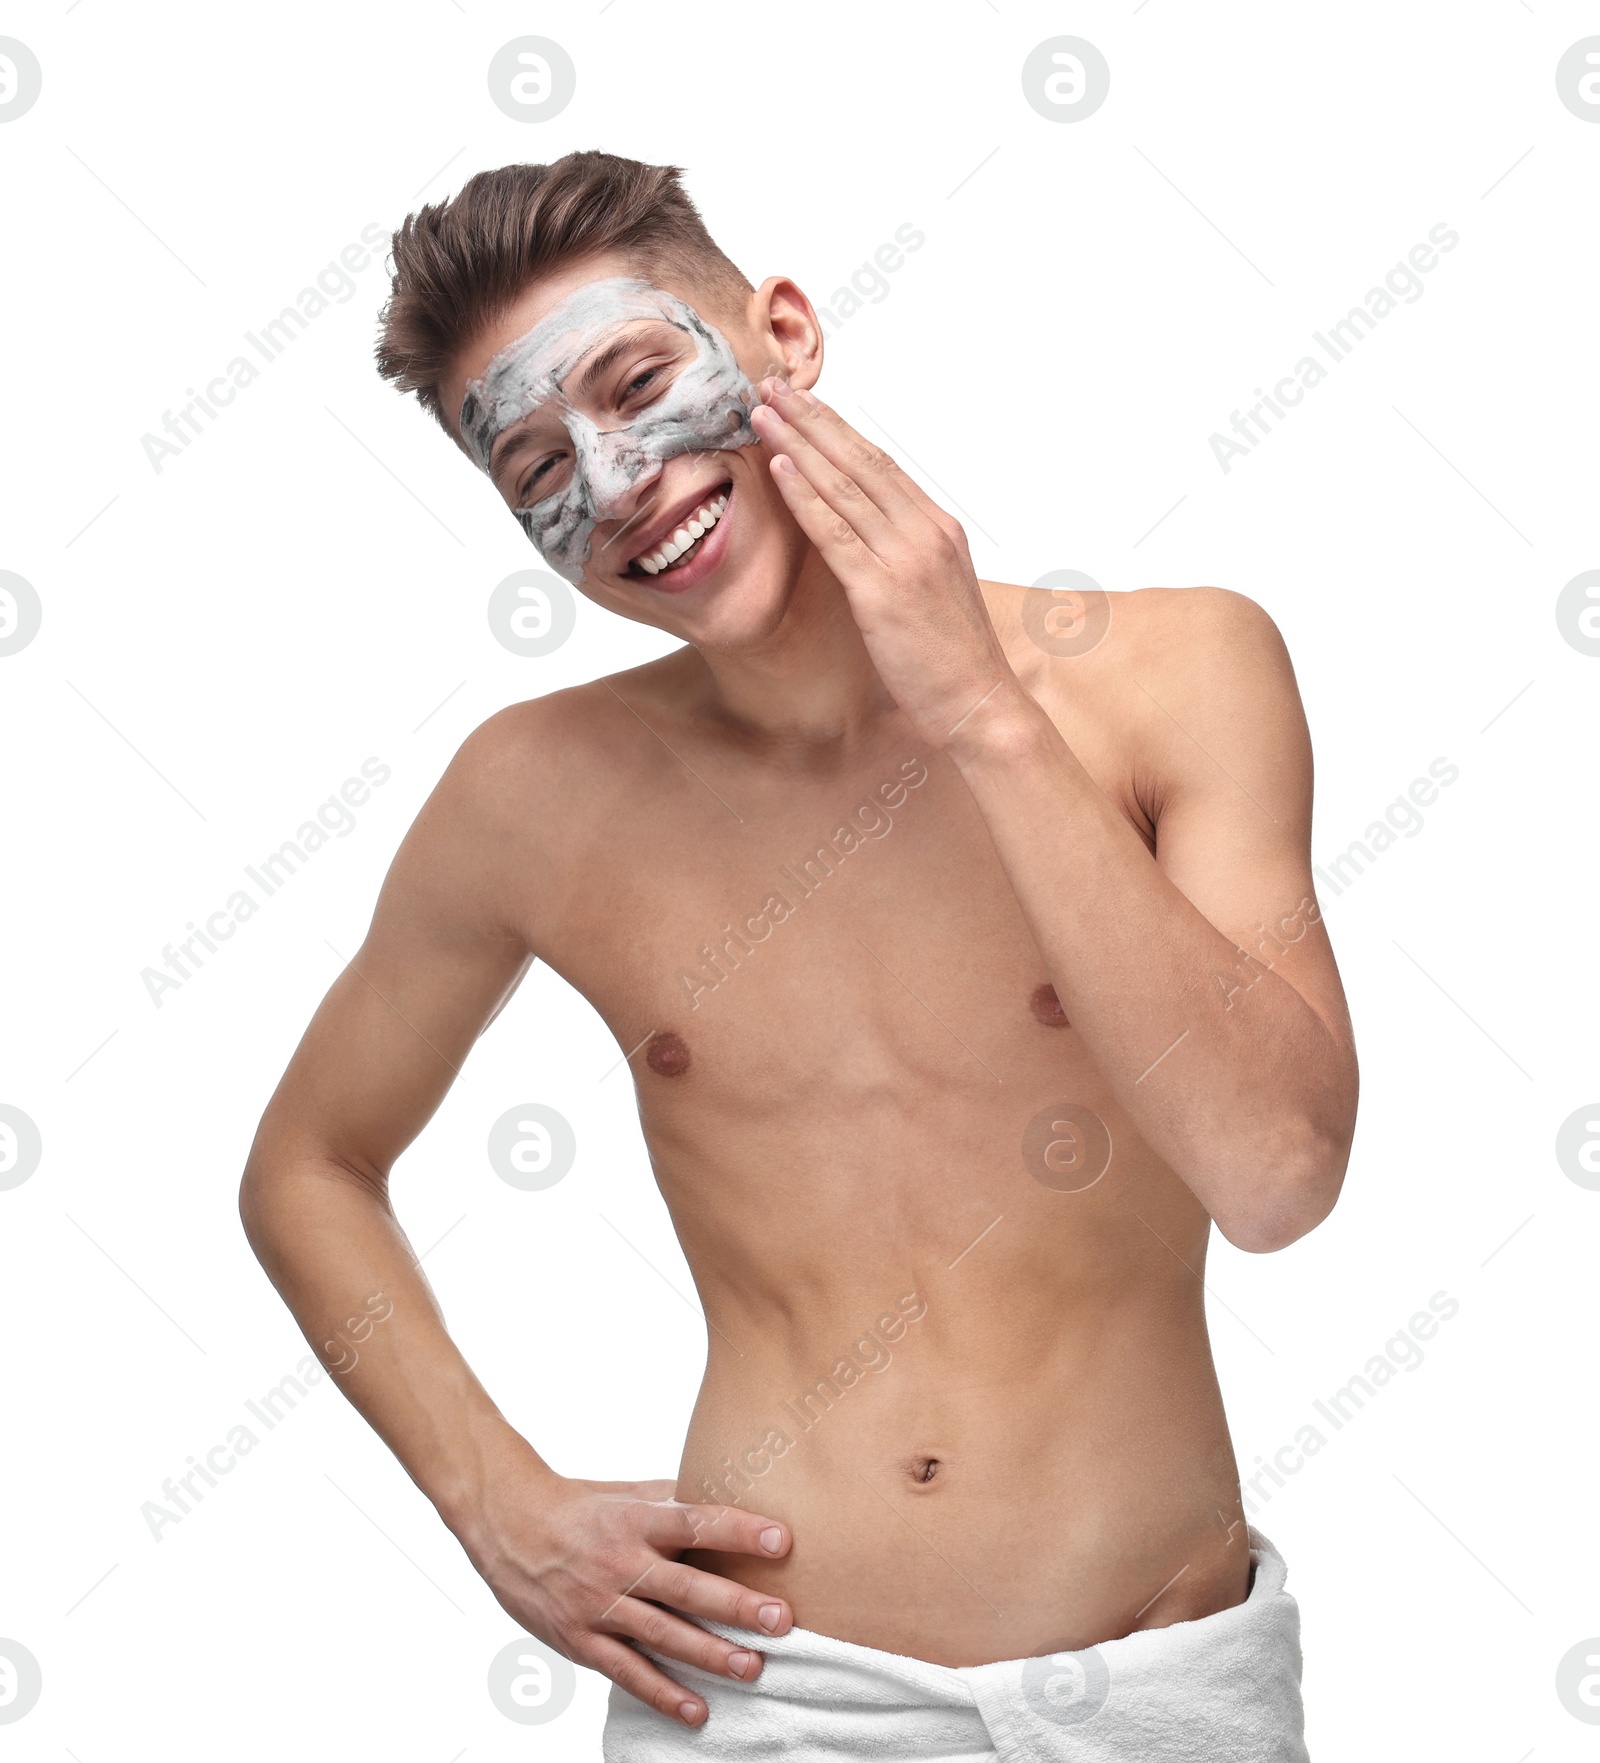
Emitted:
<point x="811" y="685"/>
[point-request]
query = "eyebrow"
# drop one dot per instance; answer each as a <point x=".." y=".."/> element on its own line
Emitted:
<point x="517" y="440"/>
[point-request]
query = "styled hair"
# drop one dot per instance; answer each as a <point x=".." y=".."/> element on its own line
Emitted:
<point x="460" y="264"/>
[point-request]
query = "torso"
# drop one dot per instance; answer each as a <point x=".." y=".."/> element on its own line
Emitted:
<point x="967" y="1367"/>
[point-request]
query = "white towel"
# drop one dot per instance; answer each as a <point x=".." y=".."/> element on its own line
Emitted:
<point x="1224" y="1688"/>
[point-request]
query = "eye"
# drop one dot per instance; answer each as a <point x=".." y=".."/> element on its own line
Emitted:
<point x="540" y="470"/>
<point x="640" y="382"/>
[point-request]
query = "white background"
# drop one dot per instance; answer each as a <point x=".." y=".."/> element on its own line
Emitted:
<point x="226" y="640"/>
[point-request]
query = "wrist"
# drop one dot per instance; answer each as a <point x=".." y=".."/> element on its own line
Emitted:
<point x="499" y="1466"/>
<point x="1008" y="728"/>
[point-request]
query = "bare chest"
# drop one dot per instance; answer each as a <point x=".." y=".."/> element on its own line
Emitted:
<point x="855" y="942"/>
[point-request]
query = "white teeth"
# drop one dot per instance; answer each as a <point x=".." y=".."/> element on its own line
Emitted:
<point x="694" y="529"/>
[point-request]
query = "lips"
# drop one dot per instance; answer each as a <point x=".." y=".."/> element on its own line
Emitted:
<point x="686" y="537"/>
<point x="673" y="539"/>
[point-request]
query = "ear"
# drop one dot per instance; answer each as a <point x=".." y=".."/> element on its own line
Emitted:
<point x="788" y="332"/>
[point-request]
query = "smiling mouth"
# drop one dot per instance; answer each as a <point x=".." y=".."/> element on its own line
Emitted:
<point x="683" y="543"/>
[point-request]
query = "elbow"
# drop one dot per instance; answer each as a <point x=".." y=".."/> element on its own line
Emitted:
<point x="255" y="1205"/>
<point x="1295" y="1189"/>
<point x="281" y="1190"/>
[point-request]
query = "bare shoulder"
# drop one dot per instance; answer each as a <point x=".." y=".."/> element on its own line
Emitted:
<point x="1176" y="630"/>
<point x="1208" y="646"/>
<point x="1168" y="690"/>
<point x="1167" y="626"/>
<point x="1226" y="724"/>
<point x="551" y="752"/>
<point x="531" y="789"/>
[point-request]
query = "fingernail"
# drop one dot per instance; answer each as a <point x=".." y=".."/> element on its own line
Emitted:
<point x="740" y="1664"/>
<point x="769" y="1616"/>
<point x="688" y="1710"/>
<point x="810" y="400"/>
<point x="772" y="1539"/>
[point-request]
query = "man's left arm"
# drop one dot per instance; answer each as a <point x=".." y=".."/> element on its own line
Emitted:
<point x="1235" y="1065"/>
<point x="1201" y="978"/>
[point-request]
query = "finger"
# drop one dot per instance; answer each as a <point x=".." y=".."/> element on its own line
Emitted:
<point x="840" y="546"/>
<point x="837" y="488"/>
<point x="873" y="467"/>
<point x="878" y="473"/>
<point x="664" y="1632"/>
<point x="698" y="1593"/>
<point x="639" y="1677"/>
<point x="682" y="1524"/>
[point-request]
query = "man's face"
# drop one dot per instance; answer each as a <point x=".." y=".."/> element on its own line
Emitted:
<point x="613" y="418"/>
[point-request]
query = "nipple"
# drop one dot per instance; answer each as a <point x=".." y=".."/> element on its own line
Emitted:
<point x="668" y="1054"/>
<point x="1046" y="1008"/>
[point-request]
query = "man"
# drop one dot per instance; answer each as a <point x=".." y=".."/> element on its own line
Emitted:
<point x="962" y="941"/>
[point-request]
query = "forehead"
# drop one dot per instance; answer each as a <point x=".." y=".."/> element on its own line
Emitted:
<point x="545" y="299"/>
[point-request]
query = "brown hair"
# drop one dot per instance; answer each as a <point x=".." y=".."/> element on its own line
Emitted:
<point x="458" y="265"/>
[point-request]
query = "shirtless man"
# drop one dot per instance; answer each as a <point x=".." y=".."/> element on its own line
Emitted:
<point x="963" y="944"/>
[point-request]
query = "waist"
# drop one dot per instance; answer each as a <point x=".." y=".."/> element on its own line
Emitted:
<point x="972" y="1489"/>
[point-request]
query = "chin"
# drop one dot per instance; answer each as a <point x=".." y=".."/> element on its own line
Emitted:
<point x="738" y="604"/>
<point x="744" y="614"/>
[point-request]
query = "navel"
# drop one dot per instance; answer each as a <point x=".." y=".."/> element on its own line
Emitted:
<point x="1046" y="1008"/>
<point x="667" y="1054"/>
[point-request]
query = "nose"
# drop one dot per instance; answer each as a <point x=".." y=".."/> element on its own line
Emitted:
<point x="618" y="475"/>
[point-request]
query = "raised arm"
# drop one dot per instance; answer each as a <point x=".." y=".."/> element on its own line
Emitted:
<point x="586" y="1566"/>
<point x="1200" y="976"/>
<point x="1236" y="1065"/>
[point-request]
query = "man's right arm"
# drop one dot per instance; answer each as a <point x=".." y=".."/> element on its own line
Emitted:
<point x="443" y="954"/>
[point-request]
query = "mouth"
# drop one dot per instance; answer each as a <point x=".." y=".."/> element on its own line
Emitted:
<point x="689" y="550"/>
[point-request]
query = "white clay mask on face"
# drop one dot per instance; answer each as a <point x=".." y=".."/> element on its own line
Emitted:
<point x="705" y="409"/>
